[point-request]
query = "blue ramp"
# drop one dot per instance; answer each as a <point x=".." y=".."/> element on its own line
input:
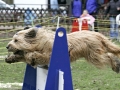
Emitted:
<point x="29" y="82"/>
<point x="59" y="61"/>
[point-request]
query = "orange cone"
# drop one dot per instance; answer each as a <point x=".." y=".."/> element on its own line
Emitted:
<point x="75" y="26"/>
<point x="85" y="25"/>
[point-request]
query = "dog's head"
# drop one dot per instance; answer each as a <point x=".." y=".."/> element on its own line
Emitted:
<point x="23" y="41"/>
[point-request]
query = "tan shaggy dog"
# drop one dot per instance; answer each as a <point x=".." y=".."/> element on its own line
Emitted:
<point x="34" y="46"/>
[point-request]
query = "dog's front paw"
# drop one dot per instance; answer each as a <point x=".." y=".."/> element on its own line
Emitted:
<point x="10" y="59"/>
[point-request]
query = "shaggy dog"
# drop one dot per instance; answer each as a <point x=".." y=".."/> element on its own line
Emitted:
<point x="34" y="47"/>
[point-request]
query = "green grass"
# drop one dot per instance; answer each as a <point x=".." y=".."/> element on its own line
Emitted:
<point x="11" y="73"/>
<point x="3" y="49"/>
<point x="85" y="76"/>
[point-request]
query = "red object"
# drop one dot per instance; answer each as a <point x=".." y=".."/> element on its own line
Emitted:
<point x="85" y="25"/>
<point x="106" y="1"/>
<point x="75" y="26"/>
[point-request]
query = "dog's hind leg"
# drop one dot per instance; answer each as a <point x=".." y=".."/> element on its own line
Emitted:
<point x="105" y="59"/>
<point x="115" y="62"/>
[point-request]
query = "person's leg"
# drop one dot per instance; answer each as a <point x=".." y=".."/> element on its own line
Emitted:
<point x="117" y="31"/>
<point x="95" y="23"/>
<point x="112" y="27"/>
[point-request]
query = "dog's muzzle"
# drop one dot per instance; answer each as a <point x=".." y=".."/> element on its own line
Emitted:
<point x="14" y="50"/>
<point x="7" y="46"/>
<point x="10" y="48"/>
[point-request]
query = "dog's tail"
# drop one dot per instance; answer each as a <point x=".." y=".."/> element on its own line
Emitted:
<point x="111" y="47"/>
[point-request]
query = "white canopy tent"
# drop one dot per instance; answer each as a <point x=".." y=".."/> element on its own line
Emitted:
<point x="31" y="3"/>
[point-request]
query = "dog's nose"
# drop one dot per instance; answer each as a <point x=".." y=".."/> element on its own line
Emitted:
<point x="7" y="47"/>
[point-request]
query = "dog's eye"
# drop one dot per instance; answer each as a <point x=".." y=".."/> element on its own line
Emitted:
<point x="15" y="40"/>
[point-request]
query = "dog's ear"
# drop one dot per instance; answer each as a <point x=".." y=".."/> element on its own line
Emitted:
<point x="32" y="33"/>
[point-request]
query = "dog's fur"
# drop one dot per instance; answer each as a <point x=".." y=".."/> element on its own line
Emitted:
<point x="34" y="46"/>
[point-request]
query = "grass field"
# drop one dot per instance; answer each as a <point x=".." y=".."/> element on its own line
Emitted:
<point x="3" y="49"/>
<point x="11" y="73"/>
<point x="85" y="76"/>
